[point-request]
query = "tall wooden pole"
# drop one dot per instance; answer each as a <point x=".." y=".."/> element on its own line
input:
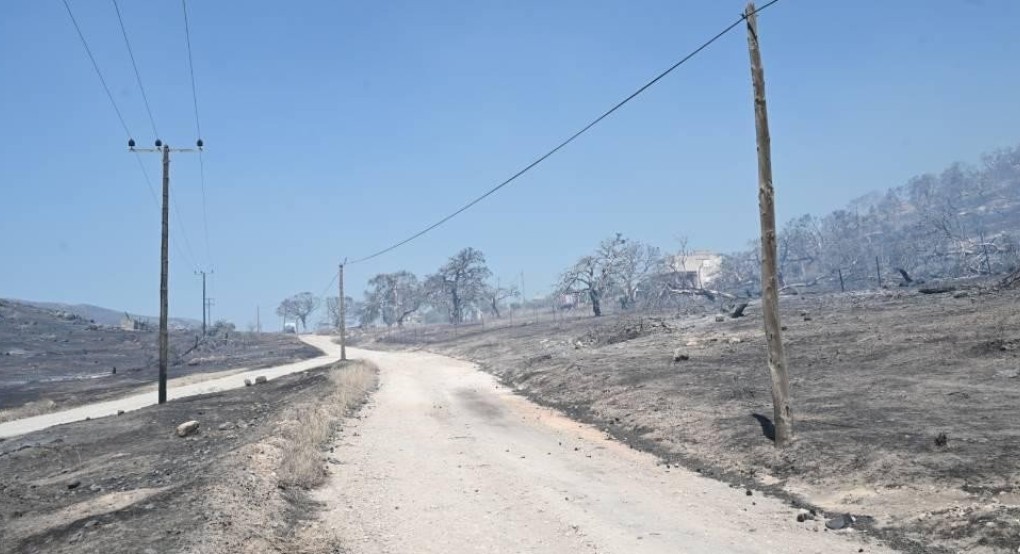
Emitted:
<point x="783" y="417"/>
<point x="204" y="302"/>
<point x="164" y="270"/>
<point x="343" y="317"/>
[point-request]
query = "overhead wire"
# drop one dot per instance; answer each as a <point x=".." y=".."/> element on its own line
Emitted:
<point x="123" y="123"/>
<point x="198" y="130"/>
<point x="564" y="143"/>
<point x="326" y="288"/>
<point x="95" y="66"/>
<point x="173" y="238"/>
<point x="134" y="65"/>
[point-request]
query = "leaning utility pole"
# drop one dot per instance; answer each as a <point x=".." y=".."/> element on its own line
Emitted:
<point x="204" y="301"/>
<point x="783" y="418"/>
<point x="164" y="262"/>
<point x="342" y="316"/>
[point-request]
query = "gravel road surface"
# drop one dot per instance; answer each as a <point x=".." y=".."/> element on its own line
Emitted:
<point x="445" y="459"/>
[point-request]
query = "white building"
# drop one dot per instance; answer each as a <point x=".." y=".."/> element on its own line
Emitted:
<point x="704" y="266"/>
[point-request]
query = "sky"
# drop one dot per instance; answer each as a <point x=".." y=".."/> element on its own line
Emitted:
<point x="335" y="128"/>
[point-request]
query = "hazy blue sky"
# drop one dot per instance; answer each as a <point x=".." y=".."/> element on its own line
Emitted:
<point x="335" y="128"/>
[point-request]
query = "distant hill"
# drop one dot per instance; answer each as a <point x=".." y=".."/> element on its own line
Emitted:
<point x="106" y="316"/>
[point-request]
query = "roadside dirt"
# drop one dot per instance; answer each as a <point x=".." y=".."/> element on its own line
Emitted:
<point x="445" y="459"/>
<point x="61" y="360"/>
<point x="128" y="484"/>
<point x="878" y="380"/>
<point x="176" y="389"/>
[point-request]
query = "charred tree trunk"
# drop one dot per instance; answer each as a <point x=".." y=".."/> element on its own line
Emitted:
<point x="455" y="299"/>
<point x="596" y="304"/>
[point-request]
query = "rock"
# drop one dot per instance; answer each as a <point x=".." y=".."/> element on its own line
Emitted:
<point x="261" y="379"/>
<point x="941" y="439"/>
<point x="679" y="356"/>
<point x="71" y="485"/>
<point x="839" y="522"/>
<point x="91" y="523"/>
<point x="226" y="426"/>
<point x="805" y="515"/>
<point x="187" y="428"/>
<point x="735" y="340"/>
<point x="248" y="383"/>
<point x="749" y="492"/>
<point x="95" y="488"/>
<point x="120" y="412"/>
<point x="720" y="318"/>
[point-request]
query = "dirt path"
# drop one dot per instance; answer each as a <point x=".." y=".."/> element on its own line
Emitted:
<point x="176" y="389"/>
<point x="447" y="460"/>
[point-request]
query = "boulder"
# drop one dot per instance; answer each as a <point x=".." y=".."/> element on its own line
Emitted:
<point x="187" y="428"/>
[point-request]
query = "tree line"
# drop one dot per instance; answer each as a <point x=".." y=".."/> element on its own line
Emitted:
<point x="962" y="222"/>
<point x="460" y="290"/>
<point x="959" y="223"/>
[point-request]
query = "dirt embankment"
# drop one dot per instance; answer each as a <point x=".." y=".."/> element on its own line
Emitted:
<point x="129" y="484"/>
<point x="906" y="405"/>
<point x="56" y="360"/>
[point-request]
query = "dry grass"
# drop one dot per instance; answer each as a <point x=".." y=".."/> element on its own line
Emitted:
<point x="311" y="426"/>
<point x="38" y="407"/>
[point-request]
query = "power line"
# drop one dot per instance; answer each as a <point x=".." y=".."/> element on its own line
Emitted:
<point x="205" y="213"/>
<point x="331" y="282"/>
<point x="180" y="226"/>
<point x="152" y="192"/>
<point x="96" y="67"/>
<point x="198" y="129"/>
<point x="127" y="131"/>
<point x="583" y="130"/>
<point x="134" y="65"/>
<point x="191" y="66"/>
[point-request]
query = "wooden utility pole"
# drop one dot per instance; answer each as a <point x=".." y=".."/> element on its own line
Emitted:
<point x="878" y="272"/>
<point x="782" y="415"/>
<point x="208" y="309"/>
<point x="164" y="262"/>
<point x="205" y="302"/>
<point x="164" y="277"/>
<point x="342" y="307"/>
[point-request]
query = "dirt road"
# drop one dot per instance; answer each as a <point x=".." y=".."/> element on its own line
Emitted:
<point x="445" y="459"/>
<point x="186" y="386"/>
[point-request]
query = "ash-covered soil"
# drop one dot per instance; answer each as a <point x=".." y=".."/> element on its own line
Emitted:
<point x="129" y="484"/>
<point x="906" y="405"/>
<point x="51" y="355"/>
